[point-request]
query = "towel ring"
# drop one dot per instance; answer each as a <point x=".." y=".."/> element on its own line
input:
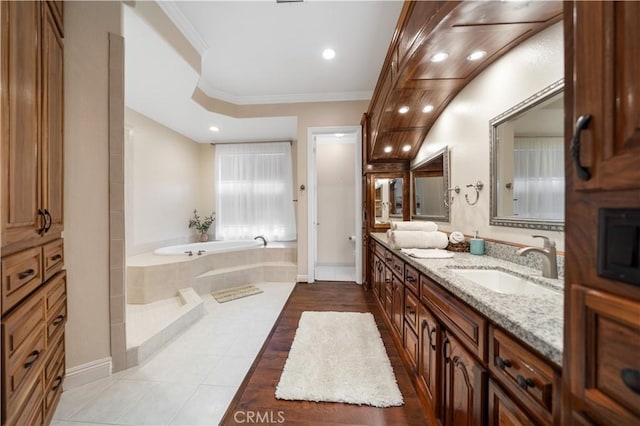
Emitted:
<point x="478" y="187"/>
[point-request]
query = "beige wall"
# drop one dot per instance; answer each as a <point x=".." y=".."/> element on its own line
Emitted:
<point x="86" y="177"/>
<point x="464" y="127"/>
<point x="165" y="183"/>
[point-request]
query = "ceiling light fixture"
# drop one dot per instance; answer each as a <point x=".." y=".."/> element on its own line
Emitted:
<point x="427" y="108"/>
<point x="478" y="54"/>
<point x="328" y="54"/>
<point x="214" y="129"/>
<point x="387" y="149"/>
<point x="403" y="109"/>
<point x="439" y="57"/>
<point x="406" y="148"/>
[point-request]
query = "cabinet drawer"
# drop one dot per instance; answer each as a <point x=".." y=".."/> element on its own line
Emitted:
<point x="382" y="253"/>
<point x="398" y="267"/>
<point x="411" y="278"/>
<point x="56" y="322"/>
<point x="53" y="378"/>
<point x="469" y="327"/>
<point x="609" y="379"/>
<point x="526" y="375"/>
<point x="504" y="411"/>
<point x="411" y="310"/>
<point x="55" y="357"/>
<point x="23" y="348"/>
<point x="55" y="293"/>
<point x="30" y="411"/>
<point x="410" y="339"/>
<point x="21" y="274"/>
<point x="53" y="258"/>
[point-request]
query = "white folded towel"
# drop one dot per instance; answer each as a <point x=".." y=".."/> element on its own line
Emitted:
<point x="456" y="237"/>
<point x="414" y="225"/>
<point x="428" y="253"/>
<point x="418" y="239"/>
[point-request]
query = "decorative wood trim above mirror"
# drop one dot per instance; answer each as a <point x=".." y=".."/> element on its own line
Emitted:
<point x="550" y="199"/>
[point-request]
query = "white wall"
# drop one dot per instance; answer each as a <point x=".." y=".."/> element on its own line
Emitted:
<point x="335" y="202"/>
<point x="86" y="176"/>
<point x="166" y="184"/>
<point x="464" y="127"/>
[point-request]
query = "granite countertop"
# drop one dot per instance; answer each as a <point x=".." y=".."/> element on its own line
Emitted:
<point x="537" y="319"/>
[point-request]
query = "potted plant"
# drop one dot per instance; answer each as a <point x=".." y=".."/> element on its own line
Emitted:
<point x="202" y="225"/>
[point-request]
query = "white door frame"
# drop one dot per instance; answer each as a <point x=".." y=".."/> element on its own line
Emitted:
<point x="312" y="194"/>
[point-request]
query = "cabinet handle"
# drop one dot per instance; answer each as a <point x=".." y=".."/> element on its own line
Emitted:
<point x="444" y="349"/>
<point x="33" y="356"/>
<point x="49" y="220"/>
<point x="525" y="383"/>
<point x="58" y="320"/>
<point x="56" y="383"/>
<point x="411" y="279"/>
<point x="387" y="280"/>
<point x="431" y="343"/>
<point x="631" y="378"/>
<point x="411" y="311"/>
<point x="42" y="229"/>
<point x="581" y="124"/>
<point x="26" y="274"/>
<point x="502" y="363"/>
<point x="56" y="257"/>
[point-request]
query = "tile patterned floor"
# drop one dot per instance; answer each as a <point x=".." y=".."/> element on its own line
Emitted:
<point x="193" y="379"/>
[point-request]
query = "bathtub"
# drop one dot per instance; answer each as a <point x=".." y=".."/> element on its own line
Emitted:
<point x="208" y="247"/>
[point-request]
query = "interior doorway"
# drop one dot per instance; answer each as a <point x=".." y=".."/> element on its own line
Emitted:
<point x="335" y="251"/>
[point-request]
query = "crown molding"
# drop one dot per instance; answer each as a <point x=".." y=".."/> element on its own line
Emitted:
<point x="171" y="9"/>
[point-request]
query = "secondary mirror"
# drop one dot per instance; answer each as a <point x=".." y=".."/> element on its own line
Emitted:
<point x="430" y="183"/>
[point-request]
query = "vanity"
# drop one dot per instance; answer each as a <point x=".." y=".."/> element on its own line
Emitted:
<point x="473" y="352"/>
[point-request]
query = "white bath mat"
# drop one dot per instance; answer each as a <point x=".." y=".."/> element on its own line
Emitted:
<point x="339" y="357"/>
<point x="229" y="294"/>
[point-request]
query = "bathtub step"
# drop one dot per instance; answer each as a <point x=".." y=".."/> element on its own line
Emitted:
<point x="153" y="325"/>
<point x="222" y="278"/>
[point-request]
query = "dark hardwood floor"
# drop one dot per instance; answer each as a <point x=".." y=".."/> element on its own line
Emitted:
<point x="255" y="401"/>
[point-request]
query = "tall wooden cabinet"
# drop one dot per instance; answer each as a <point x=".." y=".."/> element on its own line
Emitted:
<point x="602" y="324"/>
<point x="33" y="293"/>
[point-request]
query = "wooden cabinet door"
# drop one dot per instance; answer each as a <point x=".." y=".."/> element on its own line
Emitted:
<point x="428" y="358"/>
<point x="397" y="312"/>
<point x="52" y="121"/>
<point x="464" y="383"/>
<point x="606" y="39"/>
<point x="19" y="120"/>
<point x="503" y="411"/>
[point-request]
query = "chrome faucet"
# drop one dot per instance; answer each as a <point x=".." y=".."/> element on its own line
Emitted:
<point x="261" y="238"/>
<point x="549" y="261"/>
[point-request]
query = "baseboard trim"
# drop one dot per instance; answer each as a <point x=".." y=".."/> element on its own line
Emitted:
<point x="87" y="373"/>
<point x="302" y="278"/>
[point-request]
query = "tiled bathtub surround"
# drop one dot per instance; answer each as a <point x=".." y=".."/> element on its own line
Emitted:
<point x="151" y="278"/>
<point x="508" y="253"/>
<point x="536" y="319"/>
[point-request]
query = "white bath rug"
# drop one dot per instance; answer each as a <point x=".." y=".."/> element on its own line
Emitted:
<point x="339" y="357"/>
<point x="229" y="294"/>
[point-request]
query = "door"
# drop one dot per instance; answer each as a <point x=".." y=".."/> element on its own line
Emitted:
<point x="334" y="196"/>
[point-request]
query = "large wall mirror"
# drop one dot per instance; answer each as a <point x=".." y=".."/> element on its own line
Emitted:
<point x="430" y="183"/>
<point x="527" y="163"/>
<point x="389" y="195"/>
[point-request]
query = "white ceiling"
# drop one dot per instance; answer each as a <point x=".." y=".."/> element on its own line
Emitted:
<point x="255" y="52"/>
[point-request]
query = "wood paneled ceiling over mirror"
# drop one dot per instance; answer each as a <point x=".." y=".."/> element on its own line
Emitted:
<point x="409" y="78"/>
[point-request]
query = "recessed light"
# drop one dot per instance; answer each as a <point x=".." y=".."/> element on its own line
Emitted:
<point x="427" y="108"/>
<point x="403" y="109"/>
<point x="214" y="129"/>
<point x="387" y="149"/>
<point x="478" y="54"/>
<point x="439" y="57"/>
<point x="328" y="54"/>
<point x="406" y="148"/>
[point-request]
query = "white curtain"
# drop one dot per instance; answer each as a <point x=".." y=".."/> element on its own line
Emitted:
<point x="538" y="181"/>
<point x="254" y="191"/>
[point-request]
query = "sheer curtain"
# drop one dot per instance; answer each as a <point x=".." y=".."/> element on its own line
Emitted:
<point x="254" y="191"/>
<point x="538" y="181"/>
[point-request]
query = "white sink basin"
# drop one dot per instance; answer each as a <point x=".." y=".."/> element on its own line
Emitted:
<point x="503" y="282"/>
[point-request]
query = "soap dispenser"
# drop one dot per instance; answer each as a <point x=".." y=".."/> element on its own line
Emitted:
<point x="476" y="245"/>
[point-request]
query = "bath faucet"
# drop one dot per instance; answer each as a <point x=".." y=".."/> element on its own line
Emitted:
<point x="261" y="238"/>
<point x="189" y="252"/>
<point x="200" y="252"/>
<point x="549" y="261"/>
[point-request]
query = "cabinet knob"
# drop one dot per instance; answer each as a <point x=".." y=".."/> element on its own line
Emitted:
<point x="525" y="382"/>
<point x="631" y="378"/>
<point x="502" y="363"/>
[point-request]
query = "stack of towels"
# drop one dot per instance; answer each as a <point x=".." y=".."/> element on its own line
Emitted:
<point x="416" y="234"/>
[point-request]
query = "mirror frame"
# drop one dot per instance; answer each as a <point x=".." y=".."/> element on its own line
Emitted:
<point x="445" y="174"/>
<point x="494" y="219"/>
